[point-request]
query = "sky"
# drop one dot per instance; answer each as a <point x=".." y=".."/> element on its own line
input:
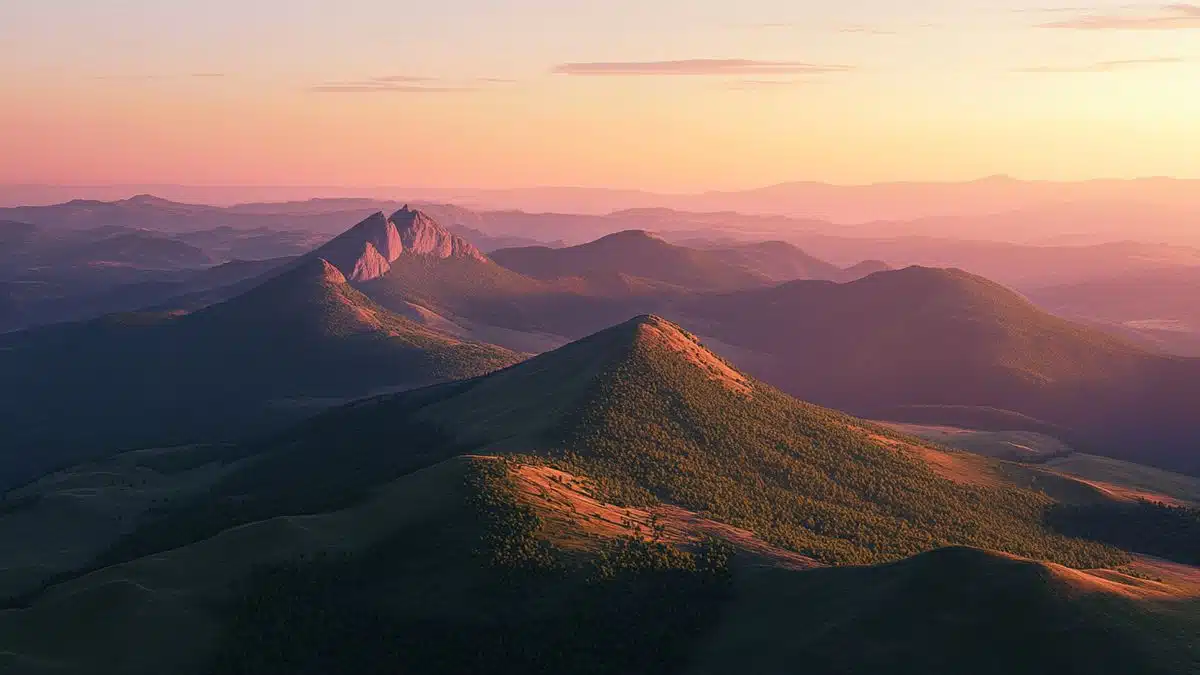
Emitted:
<point x="670" y="95"/>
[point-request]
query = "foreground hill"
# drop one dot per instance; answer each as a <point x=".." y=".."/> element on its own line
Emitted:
<point x="264" y="357"/>
<point x="654" y="417"/>
<point x="955" y="610"/>
<point x="636" y="487"/>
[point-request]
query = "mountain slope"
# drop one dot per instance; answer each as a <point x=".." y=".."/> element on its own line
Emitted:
<point x="637" y="254"/>
<point x="928" y="345"/>
<point x="582" y="547"/>
<point x="954" y="610"/>
<point x="262" y="358"/>
<point x="652" y="415"/>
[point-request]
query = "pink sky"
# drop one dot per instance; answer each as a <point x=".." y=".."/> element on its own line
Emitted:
<point x="678" y="96"/>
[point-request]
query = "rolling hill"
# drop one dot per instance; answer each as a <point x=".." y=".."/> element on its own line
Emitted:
<point x="944" y="346"/>
<point x="636" y="253"/>
<point x="973" y="606"/>
<point x="628" y="503"/>
<point x="298" y="342"/>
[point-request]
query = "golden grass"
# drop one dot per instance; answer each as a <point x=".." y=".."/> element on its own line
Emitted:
<point x="574" y="519"/>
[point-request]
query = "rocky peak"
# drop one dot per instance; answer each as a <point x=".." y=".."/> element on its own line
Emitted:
<point x="368" y="250"/>
<point x="422" y="235"/>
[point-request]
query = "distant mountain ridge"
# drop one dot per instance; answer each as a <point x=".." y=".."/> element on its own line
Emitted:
<point x="299" y="341"/>
<point x="648" y="256"/>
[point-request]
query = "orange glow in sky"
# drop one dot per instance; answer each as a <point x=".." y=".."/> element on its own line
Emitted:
<point x="679" y="96"/>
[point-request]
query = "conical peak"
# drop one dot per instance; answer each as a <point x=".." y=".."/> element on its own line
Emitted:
<point x="652" y="321"/>
<point x="330" y="273"/>
<point x="665" y="338"/>
<point x="373" y="222"/>
<point x="317" y="270"/>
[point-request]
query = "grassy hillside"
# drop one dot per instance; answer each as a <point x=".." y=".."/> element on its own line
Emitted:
<point x="298" y="342"/>
<point x="455" y="568"/>
<point x="652" y="417"/>
<point x="954" y="610"/>
<point x="618" y="500"/>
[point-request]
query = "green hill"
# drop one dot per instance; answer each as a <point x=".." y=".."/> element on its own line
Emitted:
<point x="652" y="417"/>
<point x="955" y="610"/>
<point x="616" y="505"/>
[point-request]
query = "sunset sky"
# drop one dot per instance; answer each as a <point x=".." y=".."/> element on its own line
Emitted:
<point x="656" y="94"/>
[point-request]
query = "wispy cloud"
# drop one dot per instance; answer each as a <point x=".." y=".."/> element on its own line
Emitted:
<point x="208" y="75"/>
<point x="384" y="88"/>
<point x="1167" y="17"/>
<point x="861" y="29"/>
<point x="1104" y="66"/>
<point x="395" y="84"/>
<point x="402" y="79"/>
<point x="866" y="30"/>
<point x="701" y="67"/>
<point x="756" y="85"/>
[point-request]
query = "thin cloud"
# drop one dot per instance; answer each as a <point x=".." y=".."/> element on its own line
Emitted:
<point x="758" y="85"/>
<point x="866" y="30"/>
<point x="361" y="88"/>
<point x="208" y="75"/>
<point x="397" y="79"/>
<point x="701" y="67"/>
<point x="495" y="80"/>
<point x="395" y="84"/>
<point x="1104" y="66"/>
<point x="1166" y="17"/>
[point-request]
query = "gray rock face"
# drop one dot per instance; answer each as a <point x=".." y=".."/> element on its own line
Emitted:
<point x="367" y="250"/>
<point x="370" y="265"/>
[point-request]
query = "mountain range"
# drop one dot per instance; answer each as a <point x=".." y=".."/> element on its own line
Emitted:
<point x="915" y="344"/>
<point x="325" y="463"/>
<point x="637" y="254"/>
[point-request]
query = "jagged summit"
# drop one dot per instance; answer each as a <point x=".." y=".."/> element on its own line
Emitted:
<point x="367" y="250"/>
<point x="422" y="235"/>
